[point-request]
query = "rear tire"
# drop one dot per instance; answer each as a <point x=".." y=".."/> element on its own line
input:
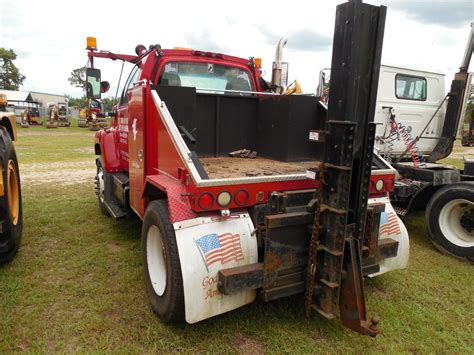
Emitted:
<point x="450" y="218"/>
<point x="11" y="210"/>
<point x="161" y="264"/>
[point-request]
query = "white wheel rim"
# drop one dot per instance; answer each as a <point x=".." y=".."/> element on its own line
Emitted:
<point x="100" y="177"/>
<point x="450" y="223"/>
<point x="156" y="260"/>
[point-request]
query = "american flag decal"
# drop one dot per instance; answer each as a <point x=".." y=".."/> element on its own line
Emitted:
<point x="222" y="248"/>
<point x="389" y="224"/>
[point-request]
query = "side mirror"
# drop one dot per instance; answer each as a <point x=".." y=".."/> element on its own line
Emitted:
<point x="93" y="85"/>
<point x="104" y="86"/>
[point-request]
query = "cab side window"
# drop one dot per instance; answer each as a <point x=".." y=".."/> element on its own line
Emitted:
<point x="132" y="79"/>
<point x="410" y="87"/>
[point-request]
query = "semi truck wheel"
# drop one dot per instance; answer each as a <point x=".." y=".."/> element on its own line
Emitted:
<point x="11" y="211"/>
<point x="450" y="217"/>
<point x="161" y="264"/>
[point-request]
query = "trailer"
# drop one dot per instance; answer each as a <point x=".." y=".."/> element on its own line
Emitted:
<point x="246" y="191"/>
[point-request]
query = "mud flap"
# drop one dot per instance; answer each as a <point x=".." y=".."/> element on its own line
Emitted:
<point x="393" y="228"/>
<point x="207" y="245"/>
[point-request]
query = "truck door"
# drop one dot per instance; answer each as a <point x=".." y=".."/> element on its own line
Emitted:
<point x="136" y="154"/>
<point x="123" y="117"/>
<point x="131" y="137"/>
<point x="414" y="97"/>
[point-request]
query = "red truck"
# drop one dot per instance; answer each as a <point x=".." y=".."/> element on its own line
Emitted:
<point x="245" y="191"/>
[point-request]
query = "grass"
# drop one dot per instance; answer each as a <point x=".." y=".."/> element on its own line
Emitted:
<point x="77" y="285"/>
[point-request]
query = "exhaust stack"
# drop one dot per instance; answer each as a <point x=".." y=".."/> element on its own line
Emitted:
<point x="277" y="65"/>
<point x="469" y="48"/>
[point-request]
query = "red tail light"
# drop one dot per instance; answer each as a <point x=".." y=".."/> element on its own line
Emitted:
<point x="206" y="201"/>
<point x="241" y="197"/>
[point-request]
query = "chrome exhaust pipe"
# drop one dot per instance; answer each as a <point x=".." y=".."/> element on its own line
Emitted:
<point x="277" y="64"/>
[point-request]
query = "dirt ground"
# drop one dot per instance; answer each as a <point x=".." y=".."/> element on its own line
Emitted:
<point x="58" y="173"/>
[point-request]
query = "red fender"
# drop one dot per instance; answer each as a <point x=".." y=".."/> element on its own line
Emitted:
<point x="109" y="150"/>
<point x="178" y="202"/>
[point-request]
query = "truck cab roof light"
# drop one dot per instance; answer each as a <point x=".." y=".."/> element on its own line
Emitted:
<point x="207" y="54"/>
<point x="91" y="43"/>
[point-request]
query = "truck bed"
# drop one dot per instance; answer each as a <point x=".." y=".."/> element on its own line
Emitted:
<point x="232" y="167"/>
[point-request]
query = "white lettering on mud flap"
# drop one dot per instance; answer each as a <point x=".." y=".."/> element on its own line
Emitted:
<point x="207" y="245"/>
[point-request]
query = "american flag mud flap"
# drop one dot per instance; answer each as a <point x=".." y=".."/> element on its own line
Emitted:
<point x="207" y="245"/>
<point x="391" y="227"/>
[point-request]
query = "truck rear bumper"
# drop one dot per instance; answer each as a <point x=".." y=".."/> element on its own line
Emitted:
<point x="283" y="271"/>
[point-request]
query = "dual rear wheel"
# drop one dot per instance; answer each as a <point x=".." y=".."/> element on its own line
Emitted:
<point x="450" y="218"/>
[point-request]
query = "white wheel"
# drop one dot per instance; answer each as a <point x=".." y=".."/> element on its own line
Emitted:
<point x="101" y="192"/>
<point x="156" y="260"/>
<point x="450" y="219"/>
<point x="160" y="259"/>
<point x="453" y="222"/>
<point x="102" y="182"/>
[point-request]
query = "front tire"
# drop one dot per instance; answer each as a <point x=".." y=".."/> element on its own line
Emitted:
<point x="450" y="217"/>
<point x="102" y="182"/>
<point x="11" y="210"/>
<point x="161" y="264"/>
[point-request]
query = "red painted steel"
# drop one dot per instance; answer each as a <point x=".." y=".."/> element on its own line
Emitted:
<point x="136" y="148"/>
<point x="106" y="140"/>
<point x="161" y="164"/>
<point x="178" y="202"/>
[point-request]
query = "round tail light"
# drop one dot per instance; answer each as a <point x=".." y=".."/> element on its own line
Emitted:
<point x="206" y="200"/>
<point x="379" y="185"/>
<point x="241" y="197"/>
<point x="224" y="198"/>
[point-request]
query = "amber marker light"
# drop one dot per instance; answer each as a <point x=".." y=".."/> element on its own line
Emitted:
<point x="91" y="43"/>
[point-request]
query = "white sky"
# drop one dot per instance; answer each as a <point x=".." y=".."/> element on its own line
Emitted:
<point x="49" y="36"/>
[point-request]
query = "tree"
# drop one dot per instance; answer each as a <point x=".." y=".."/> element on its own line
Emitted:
<point x="108" y="103"/>
<point x="78" y="78"/>
<point x="77" y="102"/>
<point x="10" y="76"/>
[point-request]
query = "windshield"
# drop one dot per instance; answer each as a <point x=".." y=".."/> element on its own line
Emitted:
<point x="206" y="77"/>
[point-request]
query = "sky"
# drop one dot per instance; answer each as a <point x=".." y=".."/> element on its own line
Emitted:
<point x="49" y="36"/>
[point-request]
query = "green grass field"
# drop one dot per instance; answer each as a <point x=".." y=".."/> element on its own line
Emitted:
<point x="77" y="283"/>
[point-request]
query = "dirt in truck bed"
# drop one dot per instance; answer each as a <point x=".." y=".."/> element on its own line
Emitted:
<point x="231" y="167"/>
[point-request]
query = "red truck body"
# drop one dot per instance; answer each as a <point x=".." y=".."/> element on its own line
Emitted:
<point x="160" y="164"/>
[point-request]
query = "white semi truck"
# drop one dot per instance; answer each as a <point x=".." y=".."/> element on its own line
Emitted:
<point x="417" y="123"/>
<point x="417" y="126"/>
